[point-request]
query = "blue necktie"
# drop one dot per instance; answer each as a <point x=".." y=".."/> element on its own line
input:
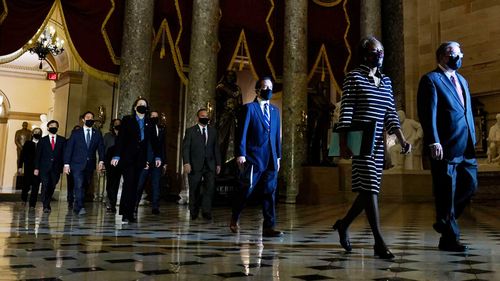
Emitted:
<point x="87" y="138"/>
<point x="266" y="115"/>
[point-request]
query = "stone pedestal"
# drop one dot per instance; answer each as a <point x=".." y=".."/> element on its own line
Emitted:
<point x="406" y="186"/>
<point x="135" y="61"/>
<point x="203" y="58"/>
<point x="294" y="95"/>
<point x="321" y="186"/>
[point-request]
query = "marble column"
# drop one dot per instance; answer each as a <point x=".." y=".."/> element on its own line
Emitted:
<point x="393" y="40"/>
<point x="135" y="61"/>
<point x="294" y="95"/>
<point x="370" y="18"/>
<point x="203" y="58"/>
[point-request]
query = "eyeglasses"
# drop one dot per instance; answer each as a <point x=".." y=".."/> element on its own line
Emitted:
<point x="460" y="55"/>
<point x="376" y="52"/>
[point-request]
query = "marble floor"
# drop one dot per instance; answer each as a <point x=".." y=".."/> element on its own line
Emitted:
<point x="63" y="246"/>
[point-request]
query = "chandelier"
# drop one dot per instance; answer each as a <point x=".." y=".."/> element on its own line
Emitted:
<point x="46" y="43"/>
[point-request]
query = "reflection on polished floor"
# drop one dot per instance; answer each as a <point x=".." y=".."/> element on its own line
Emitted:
<point x="63" y="246"/>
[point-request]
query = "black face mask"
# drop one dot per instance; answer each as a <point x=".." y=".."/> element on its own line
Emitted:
<point x="53" y="130"/>
<point x="117" y="127"/>
<point x="204" y="121"/>
<point x="37" y="136"/>
<point x="375" y="60"/>
<point x="141" y="109"/>
<point x="454" y="62"/>
<point x="89" y="123"/>
<point x="154" y="120"/>
<point x="266" y="94"/>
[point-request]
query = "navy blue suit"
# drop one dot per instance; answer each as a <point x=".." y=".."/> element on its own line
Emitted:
<point x="49" y="163"/>
<point x="261" y="147"/>
<point x="447" y="121"/>
<point x="82" y="160"/>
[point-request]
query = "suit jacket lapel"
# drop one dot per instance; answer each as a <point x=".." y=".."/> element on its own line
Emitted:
<point x="451" y="87"/>
<point x="465" y="90"/>
<point x="260" y="113"/>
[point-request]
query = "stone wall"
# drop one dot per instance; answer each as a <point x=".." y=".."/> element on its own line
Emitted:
<point x="474" y="24"/>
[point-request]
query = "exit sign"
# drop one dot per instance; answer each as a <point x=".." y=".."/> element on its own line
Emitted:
<point x="52" y="76"/>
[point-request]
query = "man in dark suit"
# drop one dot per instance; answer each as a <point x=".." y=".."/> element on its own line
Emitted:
<point x="258" y="151"/>
<point x="49" y="162"/>
<point x="152" y="170"/>
<point x="80" y="158"/>
<point x="27" y="159"/>
<point x="444" y="109"/>
<point x="201" y="156"/>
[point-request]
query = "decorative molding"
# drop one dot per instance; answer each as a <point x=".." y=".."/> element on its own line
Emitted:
<point x="73" y="77"/>
<point x="19" y="72"/>
<point x="486" y="93"/>
<point x="29" y="116"/>
<point x="3" y="120"/>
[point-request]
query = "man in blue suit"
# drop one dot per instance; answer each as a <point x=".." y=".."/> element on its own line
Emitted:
<point x="258" y="152"/>
<point x="80" y="158"/>
<point x="444" y="109"/>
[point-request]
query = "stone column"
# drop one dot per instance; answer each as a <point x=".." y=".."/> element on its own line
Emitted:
<point x="203" y="58"/>
<point x="370" y="18"/>
<point x="393" y="40"/>
<point x="135" y="61"/>
<point x="294" y="95"/>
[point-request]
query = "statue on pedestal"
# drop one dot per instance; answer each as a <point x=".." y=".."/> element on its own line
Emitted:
<point x="228" y="101"/>
<point x="21" y="137"/>
<point x="414" y="134"/>
<point x="494" y="142"/>
<point x="319" y="120"/>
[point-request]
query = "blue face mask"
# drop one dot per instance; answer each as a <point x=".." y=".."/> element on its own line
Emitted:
<point x="266" y="94"/>
<point x="454" y="62"/>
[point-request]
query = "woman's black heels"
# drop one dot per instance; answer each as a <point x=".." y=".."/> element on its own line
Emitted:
<point x="382" y="252"/>
<point x="344" y="240"/>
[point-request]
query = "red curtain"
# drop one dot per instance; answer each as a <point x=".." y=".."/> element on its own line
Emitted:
<point x="84" y="19"/>
<point x="21" y="22"/>
<point x="180" y="25"/>
<point x="327" y="26"/>
<point x="251" y="17"/>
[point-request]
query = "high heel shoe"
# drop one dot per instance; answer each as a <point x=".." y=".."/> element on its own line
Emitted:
<point x="343" y="238"/>
<point x="382" y="252"/>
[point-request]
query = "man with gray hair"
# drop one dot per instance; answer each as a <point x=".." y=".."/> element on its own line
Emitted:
<point x="444" y="109"/>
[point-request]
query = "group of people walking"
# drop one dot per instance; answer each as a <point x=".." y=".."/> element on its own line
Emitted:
<point x="134" y="149"/>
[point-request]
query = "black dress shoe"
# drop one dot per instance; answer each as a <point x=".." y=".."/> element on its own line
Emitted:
<point x="271" y="232"/>
<point x="439" y="227"/>
<point x="155" y="211"/>
<point x="451" y="246"/>
<point x="343" y="237"/>
<point x="382" y="252"/>
<point x="207" y="216"/>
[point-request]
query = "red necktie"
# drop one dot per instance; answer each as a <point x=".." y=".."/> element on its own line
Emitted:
<point x="454" y="80"/>
<point x="52" y="143"/>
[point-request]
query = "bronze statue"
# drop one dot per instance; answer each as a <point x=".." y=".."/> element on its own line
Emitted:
<point x="21" y="137"/>
<point x="319" y="120"/>
<point x="228" y="100"/>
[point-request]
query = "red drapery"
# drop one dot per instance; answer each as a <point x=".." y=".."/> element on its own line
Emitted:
<point x="21" y="20"/>
<point x="95" y="29"/>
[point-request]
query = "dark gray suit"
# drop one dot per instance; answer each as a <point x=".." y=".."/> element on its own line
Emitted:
<point x="203" y="158"/>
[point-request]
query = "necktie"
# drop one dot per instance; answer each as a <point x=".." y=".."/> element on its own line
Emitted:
<point x="87" y="138"/>
<point x="266" y="115"/>
<point x="457" y="88"/>
<point x="52" y="143"/>
<point x="204" y="133"/>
